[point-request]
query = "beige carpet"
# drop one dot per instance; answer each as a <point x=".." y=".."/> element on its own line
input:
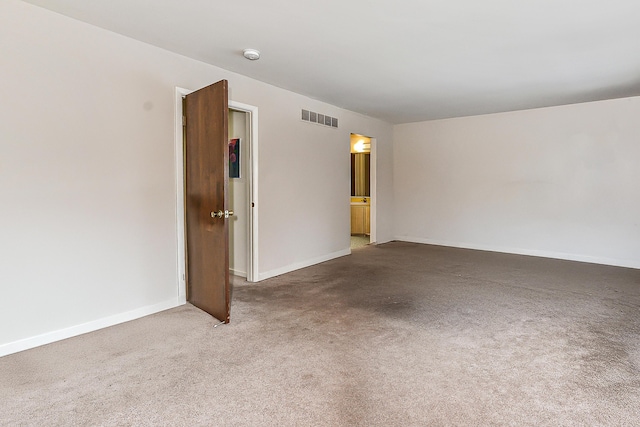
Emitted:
<point x="393" y="335"/>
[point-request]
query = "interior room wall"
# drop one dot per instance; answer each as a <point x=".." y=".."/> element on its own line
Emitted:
<point x="88" y="185"/>
<point x="238" y="198"/>
<point x="559" y="182"/>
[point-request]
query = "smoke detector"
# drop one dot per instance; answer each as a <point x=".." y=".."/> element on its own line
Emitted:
<point x="251" y="54"/>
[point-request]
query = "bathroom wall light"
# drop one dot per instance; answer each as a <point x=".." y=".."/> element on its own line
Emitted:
<point x="361" y="146"/>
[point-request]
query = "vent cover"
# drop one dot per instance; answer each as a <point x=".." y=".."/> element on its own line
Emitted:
<point x="321" y="119"/>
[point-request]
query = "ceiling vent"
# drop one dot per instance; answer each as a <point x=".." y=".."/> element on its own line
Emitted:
<point x="320" y="119"/>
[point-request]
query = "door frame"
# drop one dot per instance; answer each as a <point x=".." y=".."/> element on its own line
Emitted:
<point x="373" y="189"/>
<point x="373" y="182"/>
<point x="252" y="235"/>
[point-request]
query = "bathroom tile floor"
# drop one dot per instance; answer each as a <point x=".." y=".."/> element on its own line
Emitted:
<point x="359" y="241"/>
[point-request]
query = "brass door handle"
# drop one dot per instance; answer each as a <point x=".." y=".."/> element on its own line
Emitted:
<point x="220" y="214"/>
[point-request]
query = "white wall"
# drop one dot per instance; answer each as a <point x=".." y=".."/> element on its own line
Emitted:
<point x="87" y="178"/>
<point x="561" y="182"/>
<point x="238" y="197"/>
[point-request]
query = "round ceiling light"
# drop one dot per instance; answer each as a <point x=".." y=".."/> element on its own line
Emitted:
<point x="251" y="54"/>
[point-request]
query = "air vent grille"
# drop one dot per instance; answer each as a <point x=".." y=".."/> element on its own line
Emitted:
<point x="321" y="119"/>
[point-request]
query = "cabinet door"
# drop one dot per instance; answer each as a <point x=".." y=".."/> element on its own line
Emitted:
<point x="357" y="219"/>
<point x="366" y="220"/>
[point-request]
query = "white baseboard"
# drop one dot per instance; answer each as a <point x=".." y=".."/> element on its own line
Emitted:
<point x="49" y="337"/>
<point x="530" y="252"/>
<point x="303" y="264"/>
<point x="238" y="273"/>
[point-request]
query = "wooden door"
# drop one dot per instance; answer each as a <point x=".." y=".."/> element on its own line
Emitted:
<point x="207" y="180"/>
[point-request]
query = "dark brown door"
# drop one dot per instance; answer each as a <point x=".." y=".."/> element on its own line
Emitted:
<point x="207" y="179"/>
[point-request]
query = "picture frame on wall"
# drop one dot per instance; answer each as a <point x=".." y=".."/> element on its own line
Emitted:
<point x="234" y="158"/>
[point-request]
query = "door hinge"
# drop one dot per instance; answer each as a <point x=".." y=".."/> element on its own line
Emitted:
<point x="184" y="120"/>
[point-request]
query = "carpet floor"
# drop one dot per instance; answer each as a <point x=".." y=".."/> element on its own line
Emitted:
<point x="398" y="334"/>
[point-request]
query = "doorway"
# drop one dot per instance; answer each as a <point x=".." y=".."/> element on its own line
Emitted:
<point x="239" y="131"/>
<point x="250" y="143"/>
<point x="361" y="190"/>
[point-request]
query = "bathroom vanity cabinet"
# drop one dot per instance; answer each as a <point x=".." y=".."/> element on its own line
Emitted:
<point x="360" y="213"/>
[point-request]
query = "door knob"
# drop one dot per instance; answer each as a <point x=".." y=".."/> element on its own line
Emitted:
<point x="220" y="214"/>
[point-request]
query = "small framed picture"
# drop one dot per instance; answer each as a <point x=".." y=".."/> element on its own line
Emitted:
<point x="234" y="158"/>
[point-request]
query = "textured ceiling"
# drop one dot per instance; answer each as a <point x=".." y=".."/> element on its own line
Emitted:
<point x="402" y="60"/>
